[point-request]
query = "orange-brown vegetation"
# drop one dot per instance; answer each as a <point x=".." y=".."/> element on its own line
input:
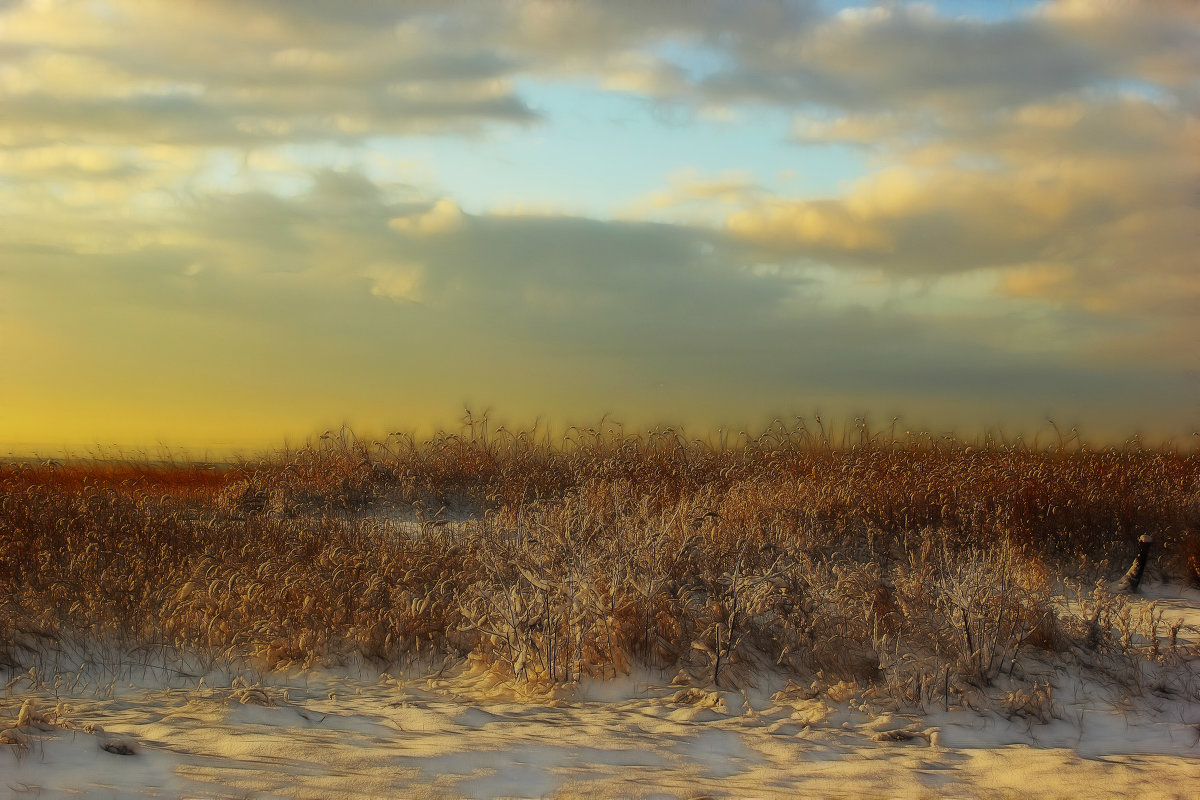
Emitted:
<point x="925" y="564"/>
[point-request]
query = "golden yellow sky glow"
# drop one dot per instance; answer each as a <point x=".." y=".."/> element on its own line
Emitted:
<point x="230" y="223"/>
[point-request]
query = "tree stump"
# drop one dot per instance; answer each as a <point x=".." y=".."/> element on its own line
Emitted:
<point x="1133" y="577"/>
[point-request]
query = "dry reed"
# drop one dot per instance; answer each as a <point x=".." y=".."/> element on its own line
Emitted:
<point x="923" y="566"/>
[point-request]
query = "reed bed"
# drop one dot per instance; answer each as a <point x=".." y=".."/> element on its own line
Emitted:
<point x="930" y="569"/>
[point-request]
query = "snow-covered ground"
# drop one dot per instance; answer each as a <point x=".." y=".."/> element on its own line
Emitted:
<point x="355" y="733"/>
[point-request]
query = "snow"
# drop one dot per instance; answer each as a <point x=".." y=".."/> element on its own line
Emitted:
<point x="354" y="733"/>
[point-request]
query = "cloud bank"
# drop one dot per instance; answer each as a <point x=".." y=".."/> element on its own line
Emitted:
<point x="199" y="240"/>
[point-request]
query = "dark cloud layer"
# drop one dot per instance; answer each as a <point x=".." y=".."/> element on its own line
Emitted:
<point x="595" y="315"/>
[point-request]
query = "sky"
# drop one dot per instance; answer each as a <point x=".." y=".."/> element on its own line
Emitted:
<point x="227" y="224"/>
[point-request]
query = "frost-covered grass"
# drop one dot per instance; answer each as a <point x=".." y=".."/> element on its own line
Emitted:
<point x="932" y="570"/>
<point x="103" y="728"/>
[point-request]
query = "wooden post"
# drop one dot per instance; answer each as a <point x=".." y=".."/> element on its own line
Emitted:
<point x="1133" y="577"/>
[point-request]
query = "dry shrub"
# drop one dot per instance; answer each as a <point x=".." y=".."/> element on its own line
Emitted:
<point x="1035" y="701"/>
<point x="920" y="564"/>
<point x="998" y="599"/>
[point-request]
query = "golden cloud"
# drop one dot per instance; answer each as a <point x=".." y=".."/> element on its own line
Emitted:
<point x="820" y="225"/>
<point x="443" y="217"/>
<point x="396" y="281"/>
<point x="1036" y="280"/>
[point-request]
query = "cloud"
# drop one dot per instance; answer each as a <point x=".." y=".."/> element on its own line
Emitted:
<point x="1086" y="201"/>
<point x="524" y="312"/>
<point x="909" y="57"/>
<point x="1036" y="280"/>
<point x="1155" y="40"/>
<point x="443" y="217"/>
<point x="239" y="73"/>
<point x="693" y="197"/>
<point x="257" y="73"/>
<point x="395" y="281"/>
<point x="184" y="212"/>
<point x="1064" y="237"/>
<point x="220" y="73"/>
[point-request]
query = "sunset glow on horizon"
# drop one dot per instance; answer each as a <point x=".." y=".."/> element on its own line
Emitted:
<point x="230" y="224"/>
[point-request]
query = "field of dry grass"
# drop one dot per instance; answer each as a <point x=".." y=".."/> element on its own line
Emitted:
<point x="924" y="567"/>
